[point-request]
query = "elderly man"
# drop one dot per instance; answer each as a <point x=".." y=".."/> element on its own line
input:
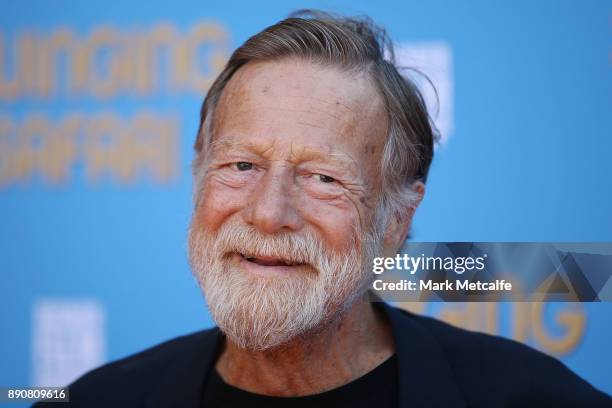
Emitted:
<point x="311" y="159"/>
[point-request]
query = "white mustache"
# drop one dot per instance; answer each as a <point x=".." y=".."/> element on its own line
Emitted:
<point x="248" y="241"/>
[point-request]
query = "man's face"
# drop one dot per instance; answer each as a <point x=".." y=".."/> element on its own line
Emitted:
<point x="281" y="238"/>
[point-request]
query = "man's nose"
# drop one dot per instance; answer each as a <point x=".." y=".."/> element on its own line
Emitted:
<point x="271" y="208"/>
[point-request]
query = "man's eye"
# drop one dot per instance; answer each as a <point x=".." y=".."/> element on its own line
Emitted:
<point x="244" y="166"/>
<point x="325" y="179"/>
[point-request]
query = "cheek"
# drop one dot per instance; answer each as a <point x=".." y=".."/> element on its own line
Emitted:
<point x="218" y="203"/>
<point x="337" y="224"/>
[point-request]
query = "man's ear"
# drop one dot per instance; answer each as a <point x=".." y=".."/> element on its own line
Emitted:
<point x="399" y="224"/>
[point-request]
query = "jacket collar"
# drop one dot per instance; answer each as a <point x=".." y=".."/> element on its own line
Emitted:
<point x="181" y="385"/>
<point x="425" y="377"/>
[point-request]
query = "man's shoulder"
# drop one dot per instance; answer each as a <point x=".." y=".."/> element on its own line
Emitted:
<point x="491" y="368"/>
<point x="144" y="366"/>
<point x="459" y="343"/>
<point x="132" y="378"/>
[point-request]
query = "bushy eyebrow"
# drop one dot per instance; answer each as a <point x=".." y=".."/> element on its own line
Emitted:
<point x="341" y="160"/>
<point x="222" y="145"/>
<point x="331" y="156"/>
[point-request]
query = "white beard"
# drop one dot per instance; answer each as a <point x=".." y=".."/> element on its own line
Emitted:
<point x="260" y="313"/>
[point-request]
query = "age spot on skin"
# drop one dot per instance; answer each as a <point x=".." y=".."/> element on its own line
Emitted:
<point x="369" y="149"/>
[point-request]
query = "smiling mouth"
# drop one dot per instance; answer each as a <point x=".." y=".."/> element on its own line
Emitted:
<point x="268" y="260"/>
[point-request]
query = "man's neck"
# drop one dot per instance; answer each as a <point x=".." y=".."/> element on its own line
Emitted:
<point x="353" y="346"/>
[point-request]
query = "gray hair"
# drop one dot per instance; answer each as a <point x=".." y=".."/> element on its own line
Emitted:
<point x="352" y="44"/>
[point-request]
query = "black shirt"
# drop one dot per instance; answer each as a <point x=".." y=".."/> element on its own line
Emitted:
<point x="378" y="388"/>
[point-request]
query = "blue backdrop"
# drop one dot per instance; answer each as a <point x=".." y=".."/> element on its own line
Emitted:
<point x="99" y="105"/>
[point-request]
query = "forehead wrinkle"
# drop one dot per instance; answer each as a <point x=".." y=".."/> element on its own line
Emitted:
<point x="344" y="119"/>
<point x="343" y="127"/>
<point x="336" y="103"/>
<point x="242" y="120"/>
<point x="220" y="145"/>
<point x="312" y="109"/>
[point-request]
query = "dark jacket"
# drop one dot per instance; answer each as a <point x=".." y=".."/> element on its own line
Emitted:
<point x="439" y="366"/>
